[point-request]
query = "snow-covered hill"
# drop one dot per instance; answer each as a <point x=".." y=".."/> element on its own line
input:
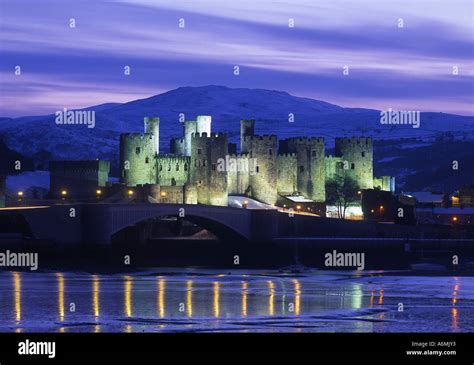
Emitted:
<point x="39" y="137"/>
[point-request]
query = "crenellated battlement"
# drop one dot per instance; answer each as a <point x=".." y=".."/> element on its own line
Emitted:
<point x="354" y="140"/>
<point x="263" y="138"/>
<point x="212" y="136"/>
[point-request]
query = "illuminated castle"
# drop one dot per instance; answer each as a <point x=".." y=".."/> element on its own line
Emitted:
<point x="201" y="170"/>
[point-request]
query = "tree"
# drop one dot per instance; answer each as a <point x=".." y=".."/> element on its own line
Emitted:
<point x="341" y="191"/>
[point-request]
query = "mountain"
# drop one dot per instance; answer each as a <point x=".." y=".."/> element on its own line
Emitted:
<point x="38" y="137"/>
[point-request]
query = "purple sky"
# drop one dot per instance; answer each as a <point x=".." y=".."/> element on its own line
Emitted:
<point x="409" y="68"/>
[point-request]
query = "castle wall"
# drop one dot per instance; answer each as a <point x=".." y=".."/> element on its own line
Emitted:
<point x="357" y="158"/>
<point x="211" y="181"/>
<point x="333" y="166"/>
<point x="311" y="166"/>
<point x="137" y="159"/>
<point x="78" y="178"/>
<point x="238" y="174"/>
<point x="263" y="177"/>
<point x="172" y="170"/>
<point x="287" y="173"/>
<point x="247" y="128"/>
<point x="178" y="146"/>
<point x="385" y="183"/>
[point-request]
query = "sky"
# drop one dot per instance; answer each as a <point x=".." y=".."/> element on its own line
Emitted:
<point x="403" y="68"/>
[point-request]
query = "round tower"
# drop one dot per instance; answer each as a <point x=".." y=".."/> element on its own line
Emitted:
<point x="311" y="167"/>
<point x="152" y="126"/>
<point x="263" y="175"/>
<point x="137" y="159"/>
<point x="203" y="124"/>
<point x="208" y="170"/>
<point x="247" y="128"/>
<point x="189" y="129"/>
<point x="357" y="159"/>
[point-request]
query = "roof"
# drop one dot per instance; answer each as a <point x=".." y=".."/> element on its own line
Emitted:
<point x="298" y="199"/>
<point x="427" y="197"/>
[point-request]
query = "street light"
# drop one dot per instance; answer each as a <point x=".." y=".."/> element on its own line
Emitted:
<point x="98" y="192"/>
<point x="130" y="192"/>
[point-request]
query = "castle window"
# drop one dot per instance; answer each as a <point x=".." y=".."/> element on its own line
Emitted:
<point x="177" y="167"/>
<point x="270" y="152"/>
<point x="147" y="160"/>
<point x="161" y="167"/>
<point x="185" y="167"/>
<point x="199" y="151"/>
<point x="214" y="167"/>
<point x="137" y="150"/>
<point x="363" y="154"/>
<point x="301" y="168"/>
<point x="257" y="169"/>
<point x="352" y="166"/>
<point x="204" y="162"/>
<point x="169" y="167"/>
<point x="313" y="153"/>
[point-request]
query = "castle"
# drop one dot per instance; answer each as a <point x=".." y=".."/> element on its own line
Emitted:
<point x="204" y="168"/>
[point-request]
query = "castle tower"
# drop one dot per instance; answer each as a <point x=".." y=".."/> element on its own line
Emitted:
<point x="203" y="124"/>
<point x="189" y="129"/>
<point x="357" y="159"/>
<point x="247" y="128"/>
<point x="137" y="159"/>
<point x="263" y="176"/>
<point x="208" y="170"/>
<point x="177" y="146"/>
<point x="152" y="126"/>
<point x="311" y="166"/>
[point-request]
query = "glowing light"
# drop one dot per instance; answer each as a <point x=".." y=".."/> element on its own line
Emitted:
<point x="20" y="194"/>
<point x="359" y="192"/>
<point x="216" y="286"/>
<point x="381" y="297"/>
<point x="298" y="207"/>
<point x="63" y="192"/>
<point x="17" y="295"/>
<point x="271" y="298"/>
<point x="371" y="211"/>
<point x="130" y="192"/>
<point x="163" y="193"/>
<point x="98" y="192"/>
<point x="381" y="207"/>
<point x="189" y="298"/>
<point x="128" y="296"/>
<point x="244" y="298"/>
<point x="455" y="219"/>
<point x="61" y="295"/>
<point x="95" y="295"/>
<point x="161" y="297"/>
<point x="297" y="296"/>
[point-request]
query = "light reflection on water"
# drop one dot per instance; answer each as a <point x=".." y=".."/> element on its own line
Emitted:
<point x="129" y="303"/>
